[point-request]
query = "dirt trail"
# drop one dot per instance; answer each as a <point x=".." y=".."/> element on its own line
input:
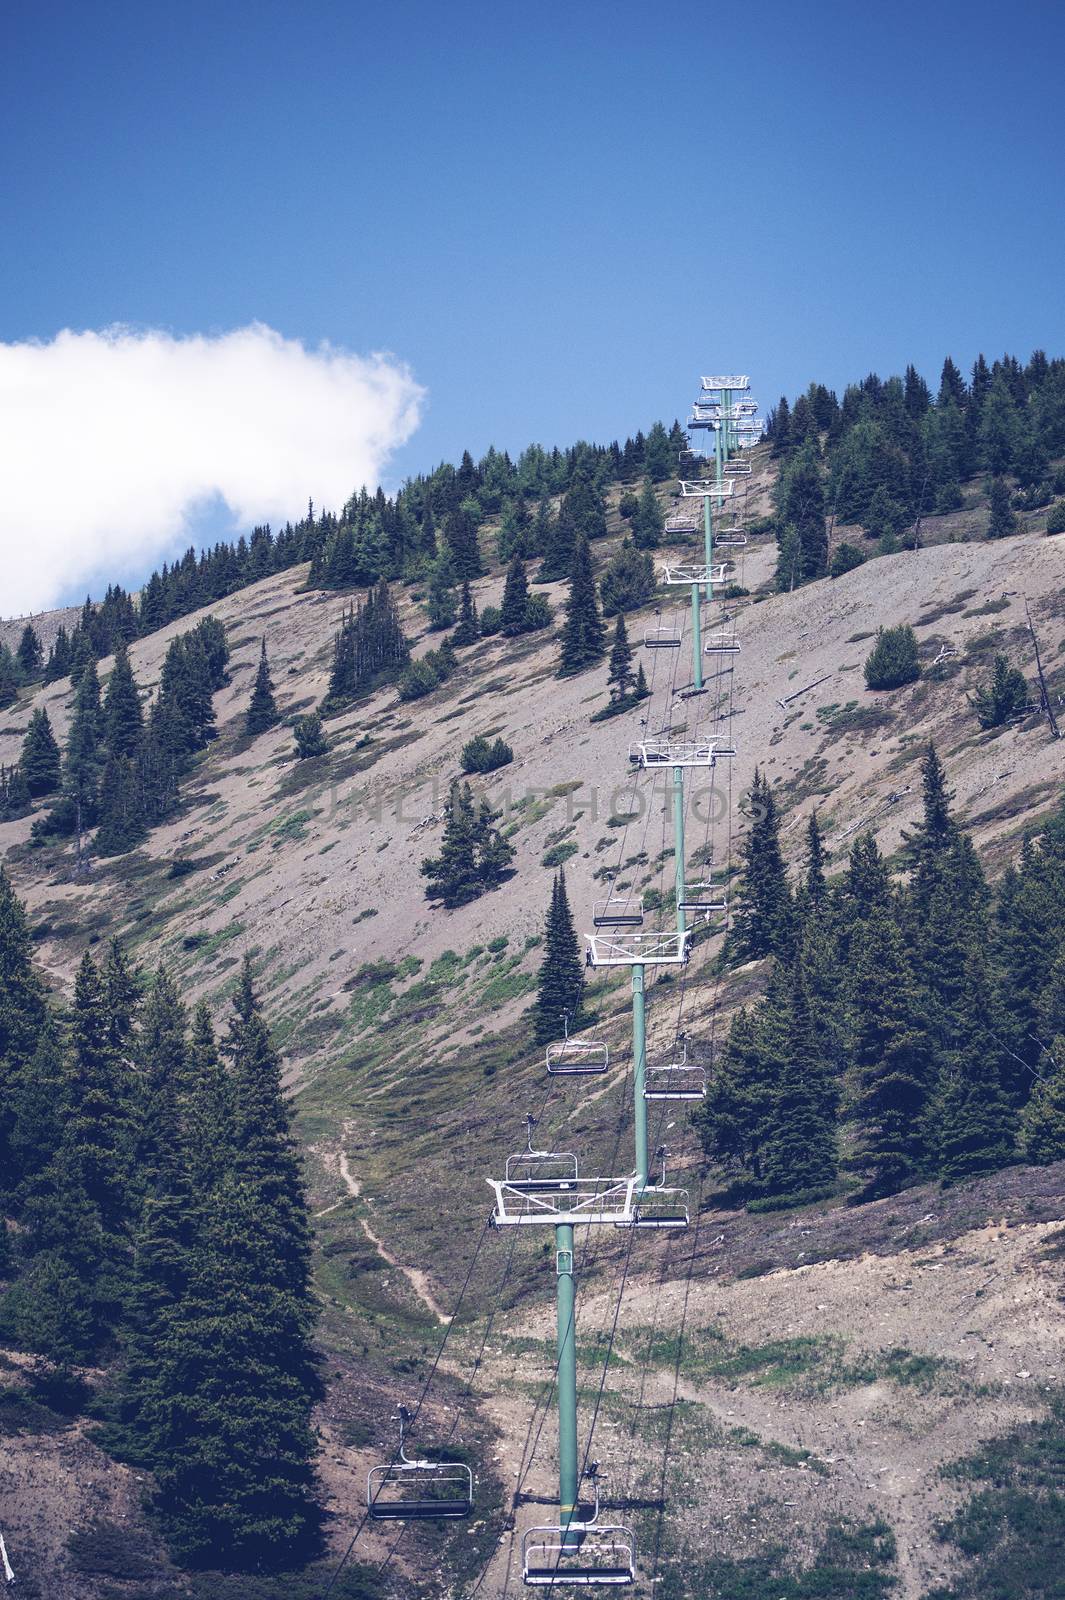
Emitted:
<point x="417" y="1279"/>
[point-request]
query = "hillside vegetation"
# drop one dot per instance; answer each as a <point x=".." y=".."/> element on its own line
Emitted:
<point x="792" y="1401"/>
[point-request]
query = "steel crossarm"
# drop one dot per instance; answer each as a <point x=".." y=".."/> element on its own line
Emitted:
<point x="667" y="948"/>
<point x="673" y="753"/>
<point x="732" y="383"/>
<point x="685" y="573"/>
<point x="705" y="489"/>
<point x="583" y="1200"/>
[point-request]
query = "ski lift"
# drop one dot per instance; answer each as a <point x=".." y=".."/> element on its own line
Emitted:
<point x="663" y="636"/>
<point x="677" y="1079"/>
<point x="585" y="1553"/>
<point x="658" y="1206"/>
<point x="731" y="539"/>
<point x="545" y="1186"/>
<point x="722" y="643"/>
<point x="739" y="469"/>
<point x="570" y="1056"/>
<point x="616" y="911"/>
<point x="418" y="1491"/>
<point x="705" y="899"/>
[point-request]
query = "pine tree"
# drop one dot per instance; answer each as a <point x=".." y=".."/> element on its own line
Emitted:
<point x="452" y="875"/>
<point x="763" y="921"/>
<point x="814" y="880"/>
<point x="30" y="656"/>
<point x="932" y="841"/>
<point x="975" y="1123"/>
<point x="440" y="601"/>
<point x="621" y="677"/>
<point x="628" y="580"/>
<point x="460" y="535"/>
<point x="123" y="719"/>
<point x="737" y="1112"/>
<point x="1003" y="697"/>
<point x="893" y="660"/>
<point x="1041" y="1137"/>
<point x="560" y="984"/>
<point x="40" y="761"/>
<point x="515" y="600"/>
<point x="262" y="708"/>
<point x="266" y="1155"/>
<point x="310" y="739"/>
<point x="468" y="630"/>
<point x="798" y="1144"/>
<point x="648" y="523"/>
<point x="1002" y="520"/>
<point x="800" y="499"/>
<point x="582" y="641"/>
<point x="9" y="677"/>
<point x="121" y="821"/>
<point x="22" y="1015"/>
<point x="494" y="853"/>
<point x="894" y="1061"/>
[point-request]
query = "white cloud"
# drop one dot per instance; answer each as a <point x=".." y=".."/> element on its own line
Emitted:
<point x="110" y="440"/>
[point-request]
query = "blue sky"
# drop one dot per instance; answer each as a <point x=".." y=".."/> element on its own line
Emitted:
<point x="557" y="215"/>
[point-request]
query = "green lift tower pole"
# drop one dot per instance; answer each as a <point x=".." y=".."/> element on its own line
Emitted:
<point x="678" y="845"/>
<point x="639" y="1073"/>
<point x="697" y="634"/>
<point x="567" y="1383"/>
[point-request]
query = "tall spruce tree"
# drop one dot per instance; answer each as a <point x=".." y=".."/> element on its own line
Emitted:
<point x="40" y="761"/>
<point x="648" y="523"/>
<point x="123" y="719"/>
<point x="22" y="1016"/>
<point x="468" y="630"/>
<point x="29" y="655"/>
<point x="560" y="983"/>
<point x="262" y="708"/>
<point x="621" y="677"/>
<point x="763" y="919"/>
<point x="894" y="1060"/>
<point x="798" y="1144"/>
<point x="582" y="641"/>
<point x="514" y="610"/>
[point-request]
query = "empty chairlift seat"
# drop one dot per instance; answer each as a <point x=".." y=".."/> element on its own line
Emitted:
<point x="406" y="1490"/>
<point x="586" y="1554"/>
<point x="658" y="1205"/>
<point x="570" y="1056"/>
<point x="679" y="1078"/>
<point x="617" y="911"/>
<point x="722" y="642"/>
<point x="705" y="899"/>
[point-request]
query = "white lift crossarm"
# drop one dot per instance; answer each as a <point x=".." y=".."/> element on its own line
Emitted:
<point x="706" y="489"/>
<point x="667" y="948"/>
<point x="734" y="383"/>
<point x="654" y="753"/>
<point x="530" y="1202"/>
<point x="685" y="573"/>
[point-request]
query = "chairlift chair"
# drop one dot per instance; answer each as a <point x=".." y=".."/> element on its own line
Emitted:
<point x="663" y="636"/>
<point x="584" y="1554"/>
<point x="567" y="1057"/>
<point x="705" y="899"/>
<point x="617" y="911"/>
<point x="659" y="1206"/>
<point x="721" y="643"/>
<point x="731" y="539"/>
<point x="676" y="1079"/>
<point x="403" y="1490"/>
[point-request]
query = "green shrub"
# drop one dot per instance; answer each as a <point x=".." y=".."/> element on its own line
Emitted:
<point x="844" y="559"/>
<point x="482" y="755"/>
<point x="1056" y="518"/>
<point x="1002" y="697"/>
<point x="893" y="659"/>
<point x="310" y="740"/>
<point x="491" y="621"/>
<point x="559" y="854"/>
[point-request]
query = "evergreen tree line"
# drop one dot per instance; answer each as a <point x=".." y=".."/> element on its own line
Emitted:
<point x="119" y="770"/>
<point x="891" y="453"/>
<point x="433" y="515"/>
<point x="910" y="1029"/>
<point x="160" y="1228"/>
